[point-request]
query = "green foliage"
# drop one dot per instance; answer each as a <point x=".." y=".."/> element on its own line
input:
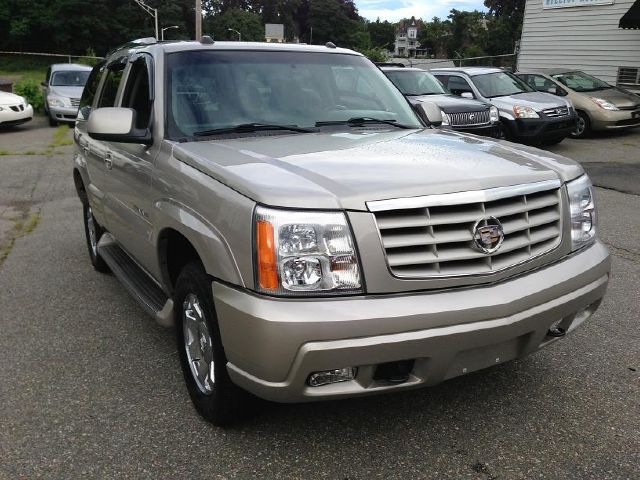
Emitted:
<point x="375" y="54"/>
<point x="30" y="90"/>
<point x="383" y="34"/>
<point x="332" y="21"/>
<point x="88" y="58"/>
<point x="247" y="23"/>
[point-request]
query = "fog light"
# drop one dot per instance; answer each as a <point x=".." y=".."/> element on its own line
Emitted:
<point x="316" y="379"/>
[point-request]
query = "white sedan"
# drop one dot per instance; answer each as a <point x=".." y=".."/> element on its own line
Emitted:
<point x="14" y="109"/>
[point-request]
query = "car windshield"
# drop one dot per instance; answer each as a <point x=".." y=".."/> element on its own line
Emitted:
<point x="500" y="84"/>
<point x="70" y="78"/>
<point x="580" y="81"/>
<point x="209" y="90"/>
<point x="413" y="83"/>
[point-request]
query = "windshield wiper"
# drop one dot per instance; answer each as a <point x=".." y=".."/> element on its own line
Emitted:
<point x="251" y="127"/>
<point x="358" y="121"/>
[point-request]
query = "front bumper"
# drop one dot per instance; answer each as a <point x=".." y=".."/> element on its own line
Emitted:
<point x="272" y="344"/>
<point x="484" y="130"/>
<point x="615" y="119"/>
<point x="540" y="129"/>
<point x="10" y="117"/>
<point x="64" y="114"/>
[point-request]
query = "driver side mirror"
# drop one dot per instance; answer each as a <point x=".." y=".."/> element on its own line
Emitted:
<point x="114" y="124"/>
<point x="468" y="95"/>
<point x="44" y="83"/>
<point x="430" y="112"/>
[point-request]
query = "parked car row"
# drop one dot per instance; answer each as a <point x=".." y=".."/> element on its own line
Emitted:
<point x="536" y="107"/>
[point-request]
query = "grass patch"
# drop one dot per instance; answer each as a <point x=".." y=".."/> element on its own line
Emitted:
<point x="23" y="226"/>
<point x="61" y="137"/>
<point x="16" y="76"/>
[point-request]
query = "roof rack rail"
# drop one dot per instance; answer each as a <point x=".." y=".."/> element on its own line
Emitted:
<point x="330" y="45"/>
<point x="134" y="43"/>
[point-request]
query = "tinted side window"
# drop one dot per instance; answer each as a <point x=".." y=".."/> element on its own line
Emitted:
<point x="458" y="85"/>
<point x="111" y="84"/>
<point x="137" y="94"/>
<point x="89" y="92"/>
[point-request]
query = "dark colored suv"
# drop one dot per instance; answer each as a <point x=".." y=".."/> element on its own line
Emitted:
<point x="462" y="114"/>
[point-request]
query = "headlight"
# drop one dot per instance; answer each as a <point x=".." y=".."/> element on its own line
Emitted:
<point x="300" y="253"/>
<point x="445" y="118"/>
<point x="602" y="103"/>
<point x="525" y="112"/>
<point x="494" y="115"/>
<point x="1" y="109"/>
<point x="583" y="212"/>
<point x="56" y="101"/>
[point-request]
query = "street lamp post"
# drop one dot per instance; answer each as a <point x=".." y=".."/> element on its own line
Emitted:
<point x="236" y="31"/>
<point x="167" y="28"/>
<point x="151" y="11"/>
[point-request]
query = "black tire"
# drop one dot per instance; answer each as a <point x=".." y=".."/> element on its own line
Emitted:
<point x="96" y="260"/>
<point x="502" y="132"/>
<point x="224" y="403"/>
<point x="583" y="126"/>
<point x="52" y="121"/>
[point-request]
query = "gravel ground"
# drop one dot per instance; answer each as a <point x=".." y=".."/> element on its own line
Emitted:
<point x="91" y="387"/>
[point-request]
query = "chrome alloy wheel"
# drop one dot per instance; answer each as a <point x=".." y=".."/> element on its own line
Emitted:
<point x="580" y="126"/>
<point x="197" y="344"/>
<point x="91" y="228"/>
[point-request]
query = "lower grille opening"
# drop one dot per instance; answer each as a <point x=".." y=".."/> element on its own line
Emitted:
<point x="394" y="372"/>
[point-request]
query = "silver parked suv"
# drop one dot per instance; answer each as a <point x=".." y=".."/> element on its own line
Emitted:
<point x="63" y="86"/>
<point x="311" y="241"/>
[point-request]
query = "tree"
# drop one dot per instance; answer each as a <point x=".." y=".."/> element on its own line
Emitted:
<point x="383" y="34"/>
<point x="468" y="30"/>
<point x="247" y="23"/>
<point x="506" y="23"/>
<point x="435" y="36"/>
<point x="331" y="21"/>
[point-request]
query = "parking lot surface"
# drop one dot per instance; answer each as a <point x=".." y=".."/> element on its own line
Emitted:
<point x="91" y="387"/>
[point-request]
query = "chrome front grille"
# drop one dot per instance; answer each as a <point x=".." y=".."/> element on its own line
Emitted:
<point x="556" y="112"/>
<point x="469" y="119"/>
<point x="75" y="102"/>
<point x="432" y="236"/>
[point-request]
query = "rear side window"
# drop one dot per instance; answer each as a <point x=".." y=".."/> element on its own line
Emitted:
<point x="89" y="92"/>
<point x="111" y="85"/>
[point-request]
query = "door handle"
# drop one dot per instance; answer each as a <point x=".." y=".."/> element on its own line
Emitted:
<point x="108" y="161"/>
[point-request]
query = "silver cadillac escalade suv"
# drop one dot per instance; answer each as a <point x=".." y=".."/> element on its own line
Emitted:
<point x="313" y="239"/>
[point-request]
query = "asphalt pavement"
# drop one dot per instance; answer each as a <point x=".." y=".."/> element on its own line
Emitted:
<point x="90" y="387"/>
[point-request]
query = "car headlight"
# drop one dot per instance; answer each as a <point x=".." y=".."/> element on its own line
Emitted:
<point x="524" y="112"/>
<point x="494" y="115"/>
<point x="300" y="253"/>
<point x="56" y="101"/>
<point x="445" y="118"/>
<point x="1" y="108"/>
<point x="602" y="103"/>
<point x="584" y="218"/>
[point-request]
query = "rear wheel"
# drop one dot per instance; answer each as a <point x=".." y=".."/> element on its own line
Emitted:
<point x="202" y="357"/>
<point x="583" y="126"/>
<point x="93" y="231"/>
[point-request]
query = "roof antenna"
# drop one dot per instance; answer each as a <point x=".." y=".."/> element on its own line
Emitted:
<point x="330" y="45"/>
<point x="207" y="40"/>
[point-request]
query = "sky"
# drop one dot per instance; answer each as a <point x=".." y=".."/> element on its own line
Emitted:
<point x="394" y="10"/>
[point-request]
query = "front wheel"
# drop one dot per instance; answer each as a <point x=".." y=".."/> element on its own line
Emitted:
<point x="52" y="121"/>
<point x="93" y="231"/>
<point x="583" y="126"/>
<point x="202" y="357"/>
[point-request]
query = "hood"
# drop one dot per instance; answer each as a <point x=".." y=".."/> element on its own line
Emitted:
<point x="618" y="97"/>
<point x="7" y="98"/>
<point x="451" y="103"/>
<point x="70" y="92"/>
<point x="536" y="100"/>
<point x="345" y="170"/>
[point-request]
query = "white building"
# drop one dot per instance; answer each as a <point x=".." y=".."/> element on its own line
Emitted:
<point x="406" y="42"/>
<point x="600" y="37"/>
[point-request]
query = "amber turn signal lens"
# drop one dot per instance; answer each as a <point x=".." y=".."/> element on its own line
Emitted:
<point x="267" y="265"/>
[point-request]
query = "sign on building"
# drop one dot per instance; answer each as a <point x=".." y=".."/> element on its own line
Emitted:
<point x="574" y="3"/>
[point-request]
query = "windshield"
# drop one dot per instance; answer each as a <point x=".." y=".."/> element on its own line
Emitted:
<point x="70" y="78"/>
<point x="208" y="90"/>
<point x="581" y="82"/>
<point x="414" y="83"/>
<point x="500" y="84"/>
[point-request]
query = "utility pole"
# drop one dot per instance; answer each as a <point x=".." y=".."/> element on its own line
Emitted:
<point x="198" y="20"/>
<point x="151" y="11"/>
